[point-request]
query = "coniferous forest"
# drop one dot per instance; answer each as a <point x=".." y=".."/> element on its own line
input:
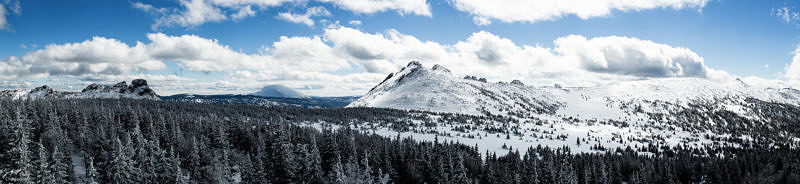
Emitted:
<point x="144" y="141"/>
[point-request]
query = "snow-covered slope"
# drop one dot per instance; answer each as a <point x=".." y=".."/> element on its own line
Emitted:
<point x="436" y="89"/>
<point x="673" y="111"/>
<point x="137" y="90"/>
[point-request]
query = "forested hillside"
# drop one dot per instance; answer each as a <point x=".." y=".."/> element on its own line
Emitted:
<point x="144" y="141"/>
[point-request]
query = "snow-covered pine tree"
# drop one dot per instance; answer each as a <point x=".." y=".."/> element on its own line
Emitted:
<point x="337" y="174"/>
<point x="23" y="170"/>
<point x="43" y="174"/>
<point x="313" y="161"/>
<point x="120" y="169"/>
<point x="92" y="177"/>
<point x="366" y="169"/>
<point x="195" y="162"/>
<point x="566" y="172"/>
<point x="459" y="171"/>
<point x="284" y="165"/>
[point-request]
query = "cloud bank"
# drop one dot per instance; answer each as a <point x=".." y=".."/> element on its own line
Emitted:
<point x="347" y="61"/>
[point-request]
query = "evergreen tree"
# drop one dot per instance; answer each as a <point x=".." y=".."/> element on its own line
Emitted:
<point x="23" y="171"/>
<point x="460" y="172"/>
<point x="566" y="172"/>
<point x="195" y="162"/>
<point x="92" y="177"/>
<point x="164" y="163"/>
<point x="587" y="174"/>
<point x="60" y="166"/>
<point x="180" y="177"/>
<point x="336" y="174"/>
<point x="352" y="172"/>
<point x="314" y="162"/>
<point x="366" y="170"/>
<point x="43" y="174"/>
<point x="143" y="155"/>
<point x="530" y="165"/>
<point x="120" y="168"/>
<point x="284" y="164"/>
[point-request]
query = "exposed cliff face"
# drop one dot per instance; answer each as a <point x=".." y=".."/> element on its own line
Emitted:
<point x="137" y="90"/>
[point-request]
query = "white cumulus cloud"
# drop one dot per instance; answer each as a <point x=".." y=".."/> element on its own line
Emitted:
<point x="631" y="56"/>
<point x="244" y="12"/>
<point x="793" y="69"/>
<point x="416" y="7"/>
<point x="543" y="10"/>
<point x="96" y="56"/>
<point x="381" y="52"/>
<point x="304" y="18"/>
<point x="149" y="8"/>
<point x="481" y="20"/>
<point x="197" y="12"/>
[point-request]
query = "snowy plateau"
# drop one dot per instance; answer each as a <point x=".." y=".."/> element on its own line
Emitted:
<point x="645" y="114"/>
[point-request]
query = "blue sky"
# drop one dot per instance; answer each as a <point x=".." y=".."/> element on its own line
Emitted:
<point x="726" y="38"/>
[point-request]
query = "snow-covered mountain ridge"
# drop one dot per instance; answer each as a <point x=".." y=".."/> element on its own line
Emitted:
<point x="436" y="89"/>
<point x="668" y="111"/>
<point x="137" y="90"/>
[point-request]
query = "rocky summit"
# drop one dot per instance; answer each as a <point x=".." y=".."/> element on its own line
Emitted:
<point x="137" y="90"/>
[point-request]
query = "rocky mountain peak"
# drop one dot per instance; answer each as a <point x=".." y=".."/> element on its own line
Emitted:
<point x="121" y="84"/>
<point x="741" y="82"/>
<point x="42" y="88"/>
<point x="138" y="90"/>
<point x="413" y="64"/>
<point x="441" y="68"/>
<point x="138" y="83"/>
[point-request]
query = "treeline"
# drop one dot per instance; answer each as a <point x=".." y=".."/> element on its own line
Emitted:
<point x="142" y="141"/>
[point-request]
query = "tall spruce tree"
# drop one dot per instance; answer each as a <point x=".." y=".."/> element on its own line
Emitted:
<point x="23" y="171"/>
<point x="43" y="173"/>
<point x="92" y="177"/>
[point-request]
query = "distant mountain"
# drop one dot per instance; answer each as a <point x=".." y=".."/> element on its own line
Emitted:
<point x="137" y="90"/>
<point x="306" y="102"/>
<point x="277" y="90"/>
